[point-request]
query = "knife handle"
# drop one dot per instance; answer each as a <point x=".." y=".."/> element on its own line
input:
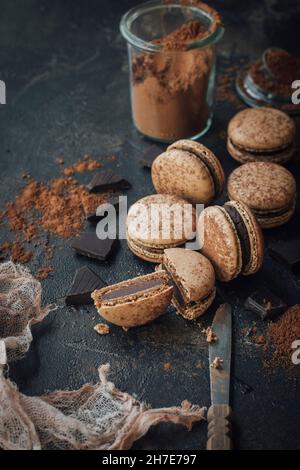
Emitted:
<point x="219" y="428"/>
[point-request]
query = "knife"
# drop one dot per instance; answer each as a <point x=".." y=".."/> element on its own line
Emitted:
<point x="219" y="414"/>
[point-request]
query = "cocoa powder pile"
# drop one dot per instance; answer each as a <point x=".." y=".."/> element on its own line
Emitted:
<point x="86" y="164"/>
<point x="283" y="66"/>
<point x="58" y="208"/>
<point x="277" y="75"/>
<point x="280" y="335"/>
<point x="169" y="87"/>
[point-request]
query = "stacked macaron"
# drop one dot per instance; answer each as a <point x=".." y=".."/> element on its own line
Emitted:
<point x="267" y="188"/>
<point x="231" y="238"/>
<point x="189" y="170"/>
<point x="193" y="279"/>
<point x="261" y="134"/>
<point x="158" y="222"/>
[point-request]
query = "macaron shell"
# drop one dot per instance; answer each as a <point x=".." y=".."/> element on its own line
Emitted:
<point x="262" y="186"/>
<point x="219" y="242"/>
<point x="255" y="237"/>
<point x="192" y="272"/>
<point x="197" y="310"/>
<point x="244" y="156"/>
<point x="138" y="313"/>
<point x="137" y="308"/>
<point x="141" y="221"/>
<point x="144" y="252"/>
<point x="207" y="156"/>
<point x="275" y="221"/>
<point x="183" y="174"/>
<point x="261" y="129"/>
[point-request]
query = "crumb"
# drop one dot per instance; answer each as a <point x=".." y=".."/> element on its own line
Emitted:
<point x="125" y="329"/>
<point x="168" y="366"/>
<point x="69" y="171"/>
<point x="200" y="365"/>
<point x="211" y="337"/>
<point x="260" y="339"/>
<point x="217" y="363"/>
<point x="85" y="164"/>
<point x="43" y="273"/>
<point x="25" y="175"/>
<point x="60" y="161"/>
<point x="102" y="329"/>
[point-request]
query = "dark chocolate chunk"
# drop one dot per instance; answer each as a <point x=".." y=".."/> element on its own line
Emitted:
<point x="88" y="244"/>
<point x="150" y="155"/>
<point x="242" y="233"/>
<point x="84" y="283"/>
<point x="132" y="289"/>
<point x="113" y="200"/>
<point x="106" y="180"/>
<point x="265" y="303"/>
<point x="287" y="253"/>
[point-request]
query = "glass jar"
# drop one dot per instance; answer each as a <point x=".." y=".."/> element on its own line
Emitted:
<point x="171" y="87"/>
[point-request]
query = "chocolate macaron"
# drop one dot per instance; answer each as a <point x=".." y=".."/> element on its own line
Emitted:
<point x="261" y="134"/>
<point x="267" y="188"/>
<point x="189" y="170"/>
<point x="158" y="222"/>
<point x="134" y="302"/>
<point x="231" y="238"/>
<point x="193" y="279"/>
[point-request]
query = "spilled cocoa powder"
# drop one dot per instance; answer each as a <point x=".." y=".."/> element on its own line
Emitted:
<point x="43" y="273"/>
<point x="58" y="208"/>
<point x="86" y="164"/>
<point x="169" y="87"/>
<point x="279" y="336"/>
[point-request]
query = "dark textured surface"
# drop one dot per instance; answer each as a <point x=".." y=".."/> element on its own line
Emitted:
<point x="66" y="72"/>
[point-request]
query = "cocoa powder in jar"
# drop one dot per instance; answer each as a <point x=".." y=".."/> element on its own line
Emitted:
<point x="169" y="90"/>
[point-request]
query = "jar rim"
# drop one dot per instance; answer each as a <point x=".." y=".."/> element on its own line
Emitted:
<point x="132" y="14"/>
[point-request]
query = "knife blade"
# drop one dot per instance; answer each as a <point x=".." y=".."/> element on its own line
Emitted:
<point x="219" y="414"/>
<point x="3" y="358"/>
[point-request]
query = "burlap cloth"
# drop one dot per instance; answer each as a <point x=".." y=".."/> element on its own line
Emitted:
<point x="93" y="417"/>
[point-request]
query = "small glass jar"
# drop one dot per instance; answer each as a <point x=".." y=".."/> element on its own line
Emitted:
<point x="172" y="89"/>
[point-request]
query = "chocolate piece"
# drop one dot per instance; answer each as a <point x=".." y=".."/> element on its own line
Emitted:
<point x="84" y="283"/>
<point x="242" y="233"/>
<point x="150" y="155"/>
<point x="106" y="180"/>
<point x="132" y="289"/>
<point x="265" y="303"/>
<point x="88" y="244"/>
<point x="287" y="253"/>
<point x="113" y="200"/>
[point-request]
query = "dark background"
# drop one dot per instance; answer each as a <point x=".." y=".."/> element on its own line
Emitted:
<point x="66" y="71"/>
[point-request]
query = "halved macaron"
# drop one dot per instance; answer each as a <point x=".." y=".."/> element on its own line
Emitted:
<point x="193" y="279"/>
<point x="231" y="238"/>
<point x="267" y="188"/>
<point x="158" y="222"/>
<point x="134" y="302"/>
<point x="189" y="170"/>
<point x="261" y="134"/>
